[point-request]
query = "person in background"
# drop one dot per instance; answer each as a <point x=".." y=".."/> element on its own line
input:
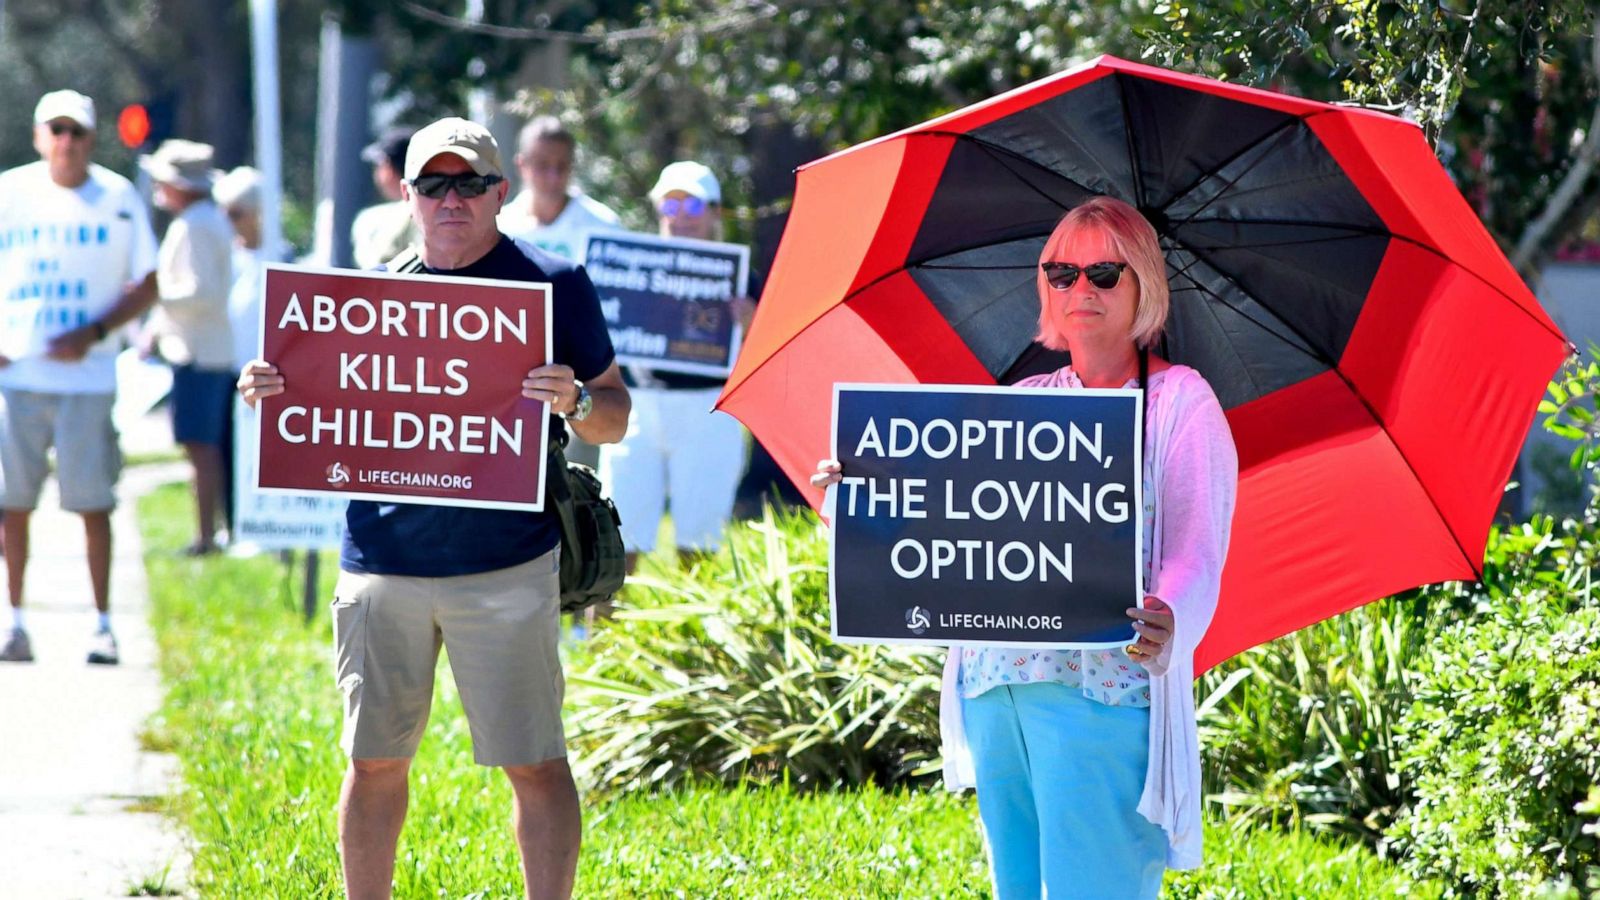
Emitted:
<point x="382" y="231"/>
<point x="190" y="327"/>
<point x="551" y="213"/>
<point x="77" y="262"/>
<point x="677" y="452"/>
<point x="1087" y="762"/>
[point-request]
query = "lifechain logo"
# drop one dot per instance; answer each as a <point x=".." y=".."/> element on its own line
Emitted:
<point x="917" y="620"/>
<point x="338" y="475"/>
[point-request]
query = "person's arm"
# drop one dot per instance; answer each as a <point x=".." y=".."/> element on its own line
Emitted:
<point x="607" y="420"/>
<point x="75" y="344"/>
<point x="1199" y="482"/>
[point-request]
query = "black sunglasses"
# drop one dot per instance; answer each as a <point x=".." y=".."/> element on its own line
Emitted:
<point x="60" y="128"/>
<point x="1103" y="275"/>
<point x="466" y="185"/>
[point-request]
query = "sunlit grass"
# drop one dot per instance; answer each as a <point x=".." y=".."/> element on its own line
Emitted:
<point x="253" y="714"/>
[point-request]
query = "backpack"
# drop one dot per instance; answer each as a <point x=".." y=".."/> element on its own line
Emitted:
<point x="593" y="561"/>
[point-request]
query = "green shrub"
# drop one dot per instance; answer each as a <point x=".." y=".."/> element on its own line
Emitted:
<point x="1300" y="731"/>
<point x="727" y="671"/>
<point x="1501" y="747"/>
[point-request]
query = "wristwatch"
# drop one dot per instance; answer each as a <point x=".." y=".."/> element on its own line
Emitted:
<point x="582" y="406"/>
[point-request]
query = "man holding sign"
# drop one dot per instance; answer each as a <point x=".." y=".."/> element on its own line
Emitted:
<point x="482" y="581"/>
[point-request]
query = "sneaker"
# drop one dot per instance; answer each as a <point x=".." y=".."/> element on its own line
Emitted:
<point x="103" y="648"/>
<point x="18" y="648"/>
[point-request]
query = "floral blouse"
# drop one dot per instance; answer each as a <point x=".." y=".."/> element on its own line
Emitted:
<point x="1106" y="676"/>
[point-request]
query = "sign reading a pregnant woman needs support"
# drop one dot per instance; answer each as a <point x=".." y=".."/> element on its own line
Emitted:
<point x="404" y="388"/>
<point x="666" y="299"/>
<point x="975" y="515"/>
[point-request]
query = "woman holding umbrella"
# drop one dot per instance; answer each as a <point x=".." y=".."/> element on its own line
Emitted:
<point x="1086" y="762"/>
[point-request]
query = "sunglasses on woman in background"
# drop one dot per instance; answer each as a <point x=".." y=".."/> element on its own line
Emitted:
<point x="688" y="206"/>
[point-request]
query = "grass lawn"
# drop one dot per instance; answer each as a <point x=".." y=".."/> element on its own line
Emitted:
<point x="253" y="716"/>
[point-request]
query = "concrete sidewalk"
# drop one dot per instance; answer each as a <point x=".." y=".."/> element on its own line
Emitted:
<point x="75" y="785"/>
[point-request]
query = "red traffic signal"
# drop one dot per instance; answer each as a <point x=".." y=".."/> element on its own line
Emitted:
<point x="133" y="125"/>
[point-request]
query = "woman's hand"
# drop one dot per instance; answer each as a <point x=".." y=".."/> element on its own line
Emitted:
<point x="828" y="472"/>
<point x="1153" y="624"/>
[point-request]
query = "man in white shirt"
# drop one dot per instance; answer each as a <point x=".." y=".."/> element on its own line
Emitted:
<point x="77" y="262"/>
<point x="190" y="325"/>
<point x="551" y="213"/>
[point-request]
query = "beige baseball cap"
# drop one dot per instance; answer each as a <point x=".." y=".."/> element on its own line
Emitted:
<point x="468" y="140"/>
<point x="65" y="105"/>
<point x="186" y="164"/>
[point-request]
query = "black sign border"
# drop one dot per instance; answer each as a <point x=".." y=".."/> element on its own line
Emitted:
<point x="1140" y="589"/>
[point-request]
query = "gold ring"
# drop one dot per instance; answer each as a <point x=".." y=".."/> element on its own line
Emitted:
<point x="1132" y="649"/>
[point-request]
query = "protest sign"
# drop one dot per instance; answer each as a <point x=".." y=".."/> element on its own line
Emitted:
<point x="404" y="387"/>
<point x="276" y="521"/>
<point x="984" y="515"/>
<point x="666" y="299"/>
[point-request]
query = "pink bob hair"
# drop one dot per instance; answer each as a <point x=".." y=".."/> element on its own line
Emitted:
<point x="1132" y="235"/>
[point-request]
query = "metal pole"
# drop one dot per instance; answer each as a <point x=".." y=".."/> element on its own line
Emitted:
<point x="312" y="558"/>
<point x="269" y="121"/>
<point x="346" y="68"/>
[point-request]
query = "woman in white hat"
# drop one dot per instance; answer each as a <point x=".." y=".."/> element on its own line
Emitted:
<point x="677" y="452"/>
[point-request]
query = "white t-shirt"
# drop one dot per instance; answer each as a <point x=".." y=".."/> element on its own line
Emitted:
<point x="194" y="272"/>
<point x="244" y="300"/>
<point x="66" y="256"/>
<point x="569" y="234"/>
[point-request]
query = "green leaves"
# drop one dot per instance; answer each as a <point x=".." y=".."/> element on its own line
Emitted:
<point x="727" y="672"/>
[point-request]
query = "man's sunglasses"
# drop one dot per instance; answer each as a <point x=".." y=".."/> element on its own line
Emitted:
<point x="72" y="128"/>
<point x="466" y="186"/>
<point x="688" y="206"/>
<point x="1103" y="275"/>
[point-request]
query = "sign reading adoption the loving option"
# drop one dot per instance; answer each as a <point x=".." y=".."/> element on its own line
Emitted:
<point x="666" y="299"/>
<point x="979" y="515"/>
<point x="404" y="388"/>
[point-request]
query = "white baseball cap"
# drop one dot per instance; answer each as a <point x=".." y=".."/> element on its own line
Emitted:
<point x="690" y="177"/>
<point x="65" y="105"/>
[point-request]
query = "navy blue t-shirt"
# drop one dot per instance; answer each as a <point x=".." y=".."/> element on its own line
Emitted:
<point x="436" y="541"/>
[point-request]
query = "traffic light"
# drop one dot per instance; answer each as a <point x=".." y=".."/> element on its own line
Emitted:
<point x="133" y="125"/>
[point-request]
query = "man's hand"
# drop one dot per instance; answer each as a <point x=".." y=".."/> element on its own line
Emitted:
<point x="71" y="346"/>
<point x="258" y="379"/>
<point x="4" y="361"/>
<point x="554" y="384"/>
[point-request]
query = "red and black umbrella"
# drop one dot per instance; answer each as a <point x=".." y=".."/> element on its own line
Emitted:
<point x="1379" y="359"/>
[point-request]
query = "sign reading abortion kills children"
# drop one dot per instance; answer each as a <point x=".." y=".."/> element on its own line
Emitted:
<point x="666" y="299"/>
<point x="404" y="387"/>
<point x="981" y="515"/>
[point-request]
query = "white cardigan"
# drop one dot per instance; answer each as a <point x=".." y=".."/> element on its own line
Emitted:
<point x="1195" y="470"/>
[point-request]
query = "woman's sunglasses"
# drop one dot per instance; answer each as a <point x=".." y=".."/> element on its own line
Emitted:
<point x="688" y="206"/>
<point x="435" y="187"/>
<point x="1103" y="275"/>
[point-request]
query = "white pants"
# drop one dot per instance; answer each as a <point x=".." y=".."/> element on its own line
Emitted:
<point x="675" y="447"/>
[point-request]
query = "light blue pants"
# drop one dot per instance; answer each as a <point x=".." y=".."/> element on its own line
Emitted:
<point x="1059" y="779"/>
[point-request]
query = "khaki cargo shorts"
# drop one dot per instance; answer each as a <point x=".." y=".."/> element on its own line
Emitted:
<point x="500" y="629"/>
<point x="88" y="460"/>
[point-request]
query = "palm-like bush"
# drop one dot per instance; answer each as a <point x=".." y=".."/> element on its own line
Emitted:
<point x="727" y="671"/>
